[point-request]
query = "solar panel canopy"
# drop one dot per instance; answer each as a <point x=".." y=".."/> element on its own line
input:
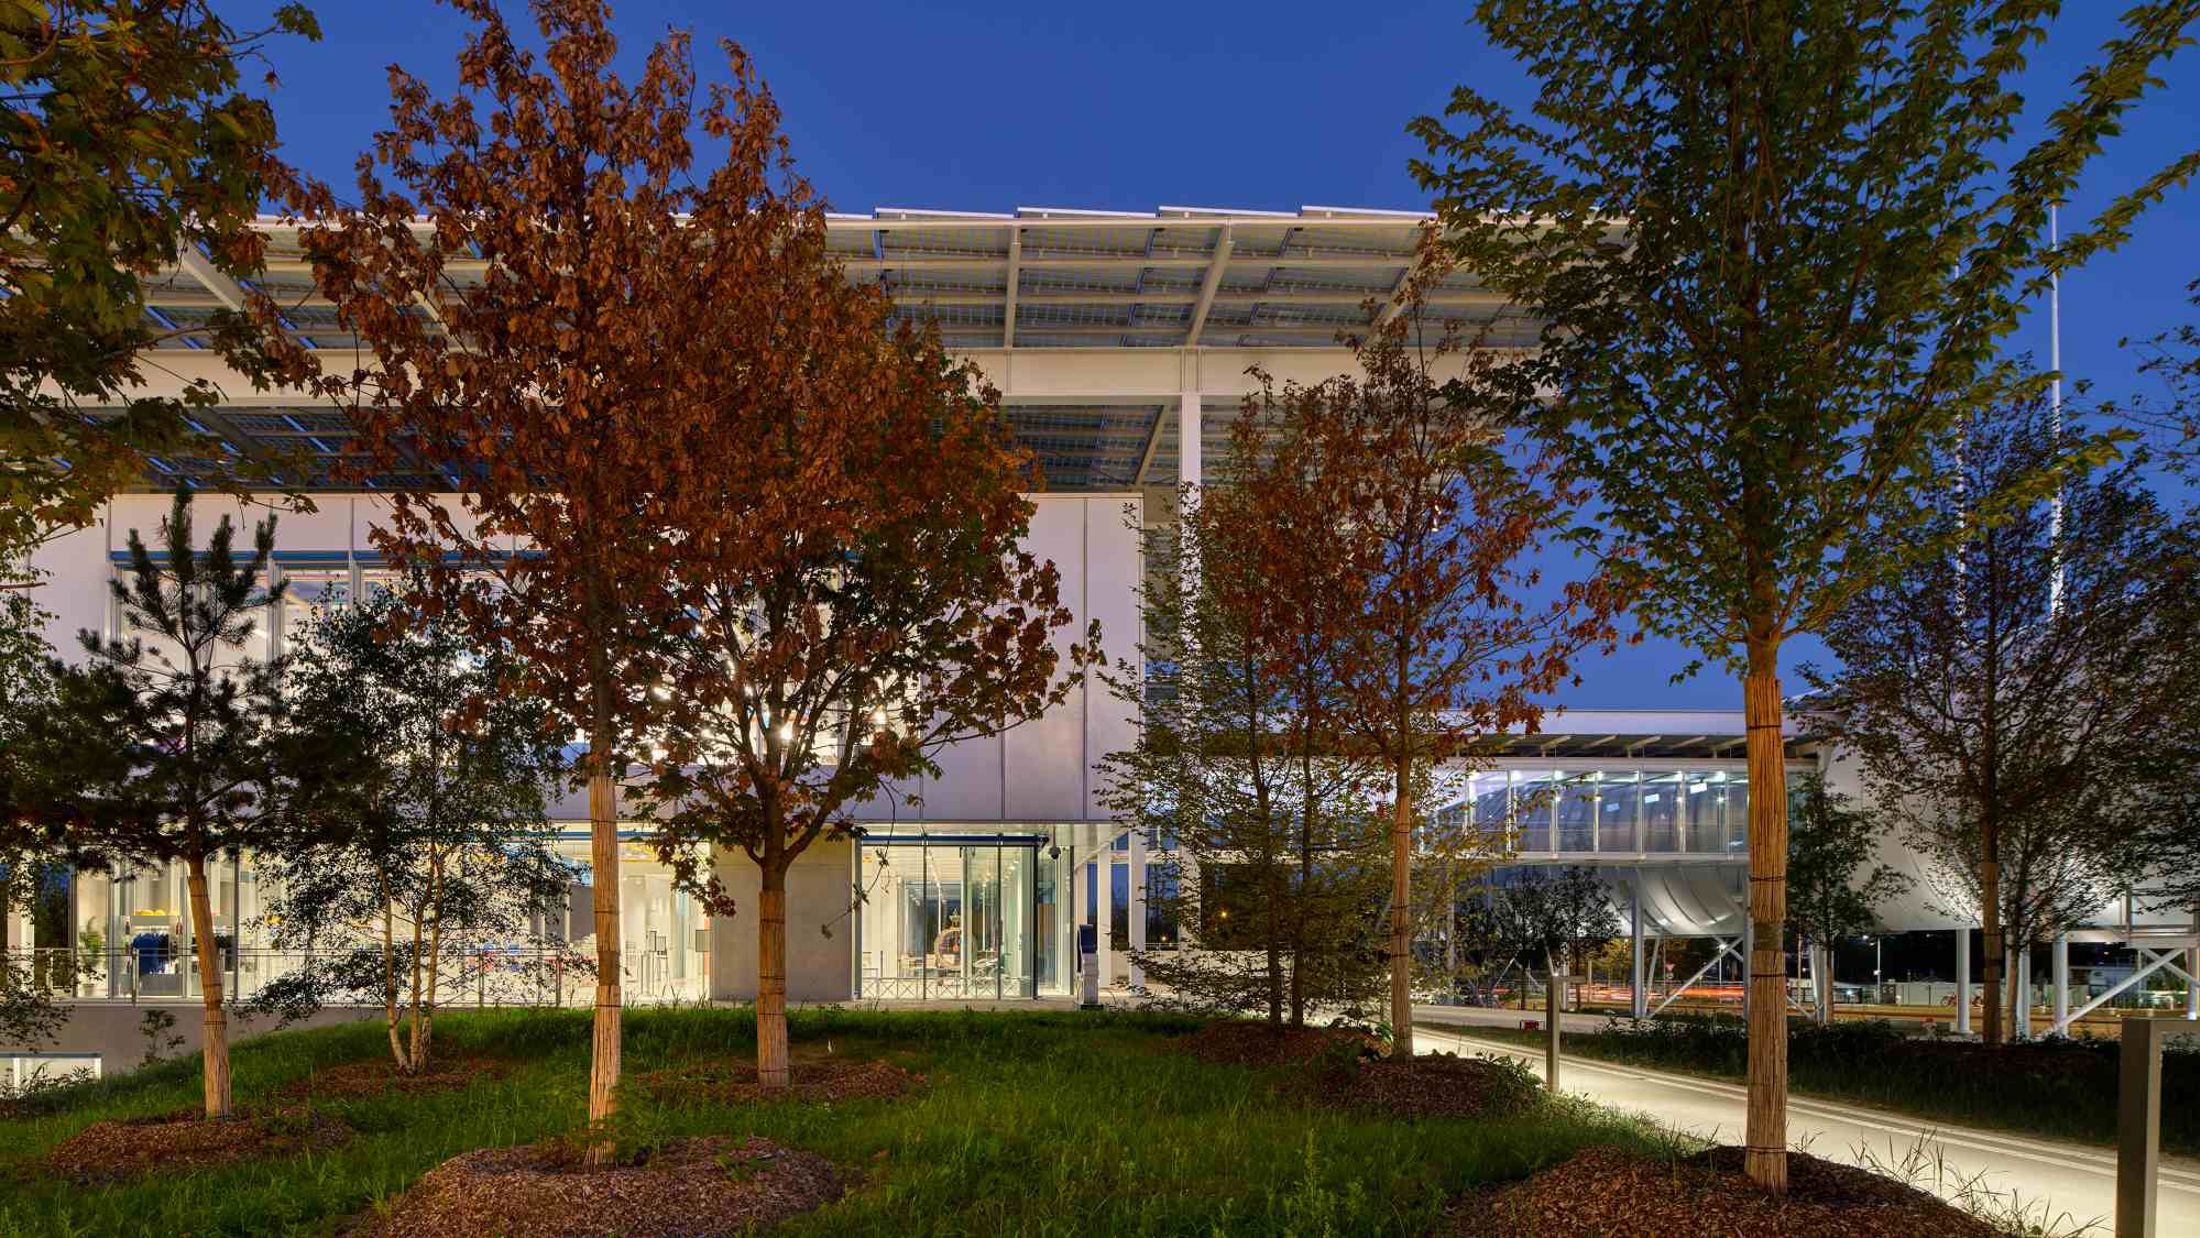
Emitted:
<point x="1227" y="286"/>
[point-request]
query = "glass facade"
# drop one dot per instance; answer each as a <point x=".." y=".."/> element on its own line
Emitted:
<point x="1671" y="808"/>
<point x="130" y="936"/>
<point x="962" y="916"/>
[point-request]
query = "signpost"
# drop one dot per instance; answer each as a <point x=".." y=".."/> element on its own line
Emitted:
<point x="2138" y="1119"/>
<point x="1554" y="997"/>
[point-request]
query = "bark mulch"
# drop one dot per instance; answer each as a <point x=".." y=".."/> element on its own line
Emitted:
<point x="1607" y="1192"/>
<point x="1435" y="1086"/>
<point x="380" y="1077"/>
<point x="732" y="1081"/>
<point x="1248" y="1042"/>
<point x="115" y="1150"/>
<point x="686" y="1189"/>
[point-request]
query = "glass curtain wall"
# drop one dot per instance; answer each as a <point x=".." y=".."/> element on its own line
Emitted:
<point x="960" y="919"/>
<point x="1620" y="810"/>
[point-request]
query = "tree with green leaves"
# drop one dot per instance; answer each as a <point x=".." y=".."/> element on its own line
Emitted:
<point x="2170" y="418"/>
<point x="128" y="143"/>
<point x="1775" y="250"/>
<point x="156" y="749"/>
<point x="411" y="842"/>
<point x="1558" y="917"/>
<point x="2020" y="699"/>
<point x="28" y="1014"/>
<point x="1834" y="885"/>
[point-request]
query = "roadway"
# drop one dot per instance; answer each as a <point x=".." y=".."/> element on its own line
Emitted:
<point x="2071" y="1186"/>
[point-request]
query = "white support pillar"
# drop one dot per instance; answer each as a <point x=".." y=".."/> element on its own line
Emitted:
<point x="1189" y="466"/>
<point x="1138" y="906"/>
<point x="2061" y="957"/>
<point x="2192" y="971"/>
<point x="1638" y="1000"/>
<point x="2020" y="973"/>
<point x="1749" y="943"/>
<point x="1103" y="917"/>
<point x="1963" y="982"/>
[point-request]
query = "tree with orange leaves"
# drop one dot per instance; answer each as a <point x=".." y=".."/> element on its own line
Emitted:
<point x="1443" y="528"/>
<point x="843" y="541"/>
<point x="519" y="265"/>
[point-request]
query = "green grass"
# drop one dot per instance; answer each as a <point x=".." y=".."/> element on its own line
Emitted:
<point x="2060" y="1088"/>
<point x="1042" y="1123"/>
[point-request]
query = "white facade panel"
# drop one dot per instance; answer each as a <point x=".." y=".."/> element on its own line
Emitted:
<point x="75" y="591"/>
<point x="1045" y="766"/>
<point x="1115" y="568"/>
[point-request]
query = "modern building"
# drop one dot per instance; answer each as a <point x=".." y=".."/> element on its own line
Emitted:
<point x="1122" y="345"/>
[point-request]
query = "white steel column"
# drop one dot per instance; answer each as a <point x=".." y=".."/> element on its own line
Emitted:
<point x="2020" y="972"/>
<point x="1749" y="942"/>
<point x="1138" y="906"/>
<point x="2192" y="971"/>
<point x="1103" y="916"/>
<point x="1189" y="466"/>
<point x="1963" y="982"/>
<point x="1080" y="907"/>
<point x="2061" y="958"/>
<point x="1638" y="1001"/>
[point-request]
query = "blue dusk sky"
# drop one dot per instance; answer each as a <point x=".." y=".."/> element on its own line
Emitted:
<point x="1271" y="105"/>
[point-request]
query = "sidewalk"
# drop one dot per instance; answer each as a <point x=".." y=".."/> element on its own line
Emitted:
<point x="2067" y="1186"/>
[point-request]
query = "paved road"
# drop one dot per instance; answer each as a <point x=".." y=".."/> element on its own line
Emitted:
<point x="2072" y="1185"/>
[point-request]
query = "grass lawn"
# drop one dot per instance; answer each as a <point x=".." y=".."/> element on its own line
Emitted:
<point x="1028" y="1123"/>
<point x="2060" y="1088"/>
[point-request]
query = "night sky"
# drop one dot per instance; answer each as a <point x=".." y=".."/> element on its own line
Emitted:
<point x="1129" y="106"/>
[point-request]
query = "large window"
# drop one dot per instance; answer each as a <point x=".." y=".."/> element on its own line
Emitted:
<point x="958" y="919"/>
<point x="1609" y="811"/>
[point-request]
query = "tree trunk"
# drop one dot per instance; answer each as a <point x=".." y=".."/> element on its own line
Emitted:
<point x="430" y="959"/>
<point x="1401" y="907"/>
<point x="214" y="1052"/>
<point x="390" y="978"/>
<point x="1765" y="1156"/>
<point x="771" y="974"/>
<point x="603" y="830"/>
<point x="1991" y="1028"/>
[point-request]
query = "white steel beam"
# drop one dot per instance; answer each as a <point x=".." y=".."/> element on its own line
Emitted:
<point x="2162" y="960"/>
<point x="201" y="268"/>
<point x="1008" y="297"/>
<point x="1725" y="948"/>
<point x="1207" y="289"/>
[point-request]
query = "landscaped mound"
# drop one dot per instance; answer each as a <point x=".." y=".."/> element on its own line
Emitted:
<point x="686" y="1189"/>
<point x="1433" y="1086"/>
<point x="380" y="1077"/>
<point x="1606" y="1192"/>
<point x="732" y="1081"/>
<point x="114" y="1150"/>
<point x="1248" y="1042"/>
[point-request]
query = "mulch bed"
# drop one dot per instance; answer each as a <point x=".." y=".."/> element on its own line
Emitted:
<point x="1248" y="1042"/>
<point x="1434" y="1086"/>
<point x="380" y="1077"/>
<point x="114" y="1150"/>
<point x="686" y="1189"/>
<point x="732" y="1081"/>
<point x="1605" y="1191"/>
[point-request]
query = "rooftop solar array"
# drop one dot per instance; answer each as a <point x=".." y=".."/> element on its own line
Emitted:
<point x="1040" y="278"/>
